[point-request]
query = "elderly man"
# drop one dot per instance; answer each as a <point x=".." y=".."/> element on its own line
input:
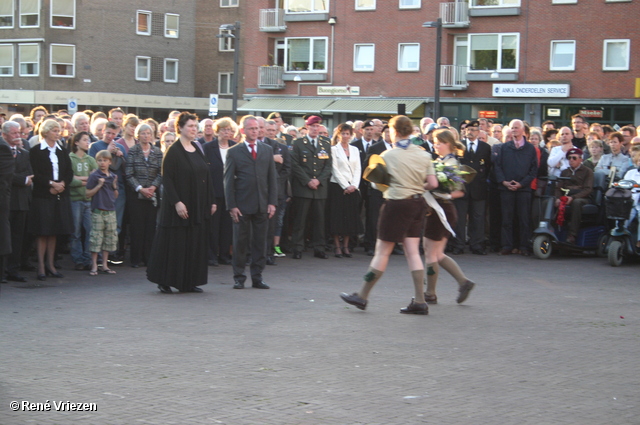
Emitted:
<point x="277" y="118"/>
<point x="579" y="189"/>
<point x="7" y="167"/>
<point x="207" y="131"/>
<point x="558" y="161"/>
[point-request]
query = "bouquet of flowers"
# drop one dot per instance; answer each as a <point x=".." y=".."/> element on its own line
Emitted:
<point x="449" y="176"/>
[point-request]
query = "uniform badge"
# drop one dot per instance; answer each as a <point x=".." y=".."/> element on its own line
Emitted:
<point x="323" y="154"/>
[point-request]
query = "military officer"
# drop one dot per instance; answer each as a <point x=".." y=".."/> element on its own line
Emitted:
<point x="311" y="167"/>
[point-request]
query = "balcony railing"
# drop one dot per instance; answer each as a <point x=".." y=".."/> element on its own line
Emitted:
<point x="270" y="77"/>
<point x="453" y="77"/>
<point x="455" y="14"/>
<point x="272" y="20"/>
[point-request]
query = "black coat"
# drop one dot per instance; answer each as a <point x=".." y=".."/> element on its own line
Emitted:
<point x="20" y="192"/>
<point x="43" y="171"/>
<point x="216" y="167"/>
<point x="480" y="160"/>
<point x="7" y="166"/>
<point x="283" y="170"/>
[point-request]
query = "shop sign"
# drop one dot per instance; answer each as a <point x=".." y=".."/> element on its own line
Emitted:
<point x="487" y="114"/>
<point x="338" y="91"/>
<point x="591" y="113"/>
<point x="531" y="90"/>
<point x="553" y="112"/>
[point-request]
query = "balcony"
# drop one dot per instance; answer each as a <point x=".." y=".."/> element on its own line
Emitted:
<point x="270" y="77"/>
<point x="455" y="14"/>
<point x="272" y="20"/>
<point x="453" y="77"/>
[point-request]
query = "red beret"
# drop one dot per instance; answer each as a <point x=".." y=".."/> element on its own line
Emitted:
<point x="313" y="119"/>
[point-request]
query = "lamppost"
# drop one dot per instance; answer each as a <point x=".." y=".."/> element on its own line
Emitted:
<point x="236" y="62"/>
<point x="437" y="24"/>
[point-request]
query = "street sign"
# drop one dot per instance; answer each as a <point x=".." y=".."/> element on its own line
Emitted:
<point x="213" y="104"/>
<point x="72" y="106"/>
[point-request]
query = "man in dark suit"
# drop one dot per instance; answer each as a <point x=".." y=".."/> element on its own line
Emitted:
<point x="471" y="208"/>
<point x="311" y="166"/>
<point x="7" y="166"/>
<point x="375" y="196"/>
<point x="251" y="192"/>
<point x="364" y="144"/>
<point x="20" y="192"/>
<point x="277" y="118"/>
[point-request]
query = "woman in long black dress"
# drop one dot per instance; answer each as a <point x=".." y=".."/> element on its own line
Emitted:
<point x="50" y="213"/>
<point x="179" y="254"/>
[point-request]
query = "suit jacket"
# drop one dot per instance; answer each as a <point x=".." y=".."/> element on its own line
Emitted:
<point x="309" y="163"/>
<point x="216" y="167"/>
<point x="375" y="149"/>
<point x="43" y="171"/>
<point x="20" y="192"/>
<point x="7" y="166"/>
<point x="282" y="170"/>
<point x="364" y="161"/>
<point x="250" y="185"/>
<point x="346" y="171"/>
<point x="480" y="160"/>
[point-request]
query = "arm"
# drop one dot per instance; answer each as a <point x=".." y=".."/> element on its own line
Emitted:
<point x="555" y="157"/>
<point x="285" y="172"/>
<point x="587" y="185"/>
<point x="130" y="170"/>
<point x="533" y="170"/>
<point x="229" y="181"/>
<point x="298" y="172"/>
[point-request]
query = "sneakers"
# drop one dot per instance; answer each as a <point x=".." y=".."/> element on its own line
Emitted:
<point x="277" y="252"/>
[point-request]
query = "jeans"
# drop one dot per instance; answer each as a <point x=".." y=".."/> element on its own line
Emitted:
<point x="81" y="211"/>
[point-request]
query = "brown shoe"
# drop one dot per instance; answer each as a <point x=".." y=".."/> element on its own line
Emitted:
<point x="464" y="290"/>
<point x="430" y="299"/>
<point x="354" y="299"/>
<point x="415" y="308"/>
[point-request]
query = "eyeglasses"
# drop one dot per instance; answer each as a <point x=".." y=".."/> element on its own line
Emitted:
<point x="575" y="158"/>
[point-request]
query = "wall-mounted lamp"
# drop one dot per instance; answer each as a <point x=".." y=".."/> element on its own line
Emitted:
<point x="297" y="78"/>
<point x="495" y="75"/>
<point x="332" y="20"/>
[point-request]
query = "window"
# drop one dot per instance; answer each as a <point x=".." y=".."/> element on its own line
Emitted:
<point x="6" y="60"/>
<point x="29" y="57"/>
<point x="498" y="3"/>
<point x="228" y="3"/>
<point x="171" y="70"/>
<point x="171" y="21"/>
<point x="143" y="25"/>
<point x="616" y="55"/>
<point x="226" y="43"/>
<point x="307" y="6"/>
<point x="493" y="52"/>
<point x="63" y="14"/>
<point x="363" y="57"/>
<point x="409" y="4"/>
<point x="6" y="13"/>
<point x="564" y="1"/>
<point x="365" y="4"/>
<point x="225" y="83"/>
<point x="63" y="60"/>
<point x="563" y="55"/>
<point x="29" y="13"/>
<point x="306" y="54"/>
<point x="408" y="57"/>
<point x="143" y="68"/>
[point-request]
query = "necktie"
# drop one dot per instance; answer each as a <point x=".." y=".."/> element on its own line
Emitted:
<point x="254" y="154"/>
<point x="14" y="151"/>
<point x="313" y="142"/>
<point x="473" y="147"/>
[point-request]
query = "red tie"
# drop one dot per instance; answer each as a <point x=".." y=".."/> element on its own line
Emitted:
<point x="254" y="154"/>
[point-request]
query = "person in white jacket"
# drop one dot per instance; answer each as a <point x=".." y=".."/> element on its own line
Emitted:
<point x="634" y="174"/>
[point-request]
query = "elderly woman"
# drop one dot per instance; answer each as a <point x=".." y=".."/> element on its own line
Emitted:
<point x="344" y="196"/>
<point x="142" y="171"/>
<point x="50" y="213"/>
<point x="402" y="216"/>
<point x="179" y="254"/>
<point x="97" y="128"/>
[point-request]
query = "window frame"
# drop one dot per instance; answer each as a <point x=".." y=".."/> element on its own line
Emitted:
<point x="37" y="74"/>
<point x="148" y="59"/>
<point x="52" y="63"/>
<point x="311" y="54"/>
<point x="404" y="7"/>
<point x="164" y="75"/>
<point x="288" y="11"/>
<point x="72" y="27"/>
<point x="564" y="1"/>
<point x="571" y="67"/>
<point x="355" y="56"/>
<point x="230" y="3"/>
<point x="226" y="44"/>
<point x="501" y="4"/>
<point x="499" y="58"/>
<point x="13" y="17"/>
<point x="149" y="15"/>
<point x="229" y="88"/>
<point x="365" y="8"/>
<point x="177" y="29"/>
<point x="13" y="59"/>
<point x="400" y="50"/>
<point x="20" y="14"/>
<point x="608" y="41"/>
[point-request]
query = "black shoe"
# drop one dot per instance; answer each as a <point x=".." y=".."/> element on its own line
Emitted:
<point x="194" y="289"/>
<point x="52" y="274"/>
<point x="238" y="285"/>
<point x="397" y="251"/>
<point x="464" y="290"/>
<point x="16" y="278"/>
<point x="213" y="262"/>
<point x="320" y="254"/>
<point x="225" y="261"/>
<point x="165" y="289"/>
<point x="28" y="268"/>
<point x="271" y="261"/>
<point x="415" y="308"/>
<point x="260" y="285"/>
<point x="370" y="252"/>
<point x="479" y="251"/>
<point x="354" y="299"/>
<point x="42" y="277"/>
<point x="297" y="255"/>
<point x="135" y="266"/>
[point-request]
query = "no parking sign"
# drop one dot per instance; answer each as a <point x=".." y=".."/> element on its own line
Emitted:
<point x="213" y="104"/>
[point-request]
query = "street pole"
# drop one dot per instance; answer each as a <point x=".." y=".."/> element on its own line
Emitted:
<point x="436" y="96"/>
<point x="236" y="66"/>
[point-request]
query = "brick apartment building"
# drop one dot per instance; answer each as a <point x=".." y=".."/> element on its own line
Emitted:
<point x="347" y="59"/>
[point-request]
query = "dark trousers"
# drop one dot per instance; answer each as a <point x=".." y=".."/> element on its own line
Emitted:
<point x="516" y="205"/>
<point x="373" y="212"/>
<point x="18" y="222"/>
<point x="576" y="215"/>
<point x="142" y="216"/>
<point x="471" y="216"/>
<point x="302" y="208"/>
<point x="221" y="230"/>
<point x="250" y="233"/>
<point x="495" y="217"/>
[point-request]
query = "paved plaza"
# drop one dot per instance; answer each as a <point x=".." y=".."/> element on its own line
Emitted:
<point x="538" y="342"/>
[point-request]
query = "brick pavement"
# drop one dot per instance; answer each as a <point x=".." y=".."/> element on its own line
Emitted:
<point x="538" y="342"/>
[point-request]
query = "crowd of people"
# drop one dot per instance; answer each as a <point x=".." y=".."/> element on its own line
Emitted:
<point x="185" y="194"/>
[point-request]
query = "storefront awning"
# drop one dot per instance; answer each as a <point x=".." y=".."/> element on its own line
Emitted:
<point x="372" y="106"/>
<point x="286" y="105"/>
